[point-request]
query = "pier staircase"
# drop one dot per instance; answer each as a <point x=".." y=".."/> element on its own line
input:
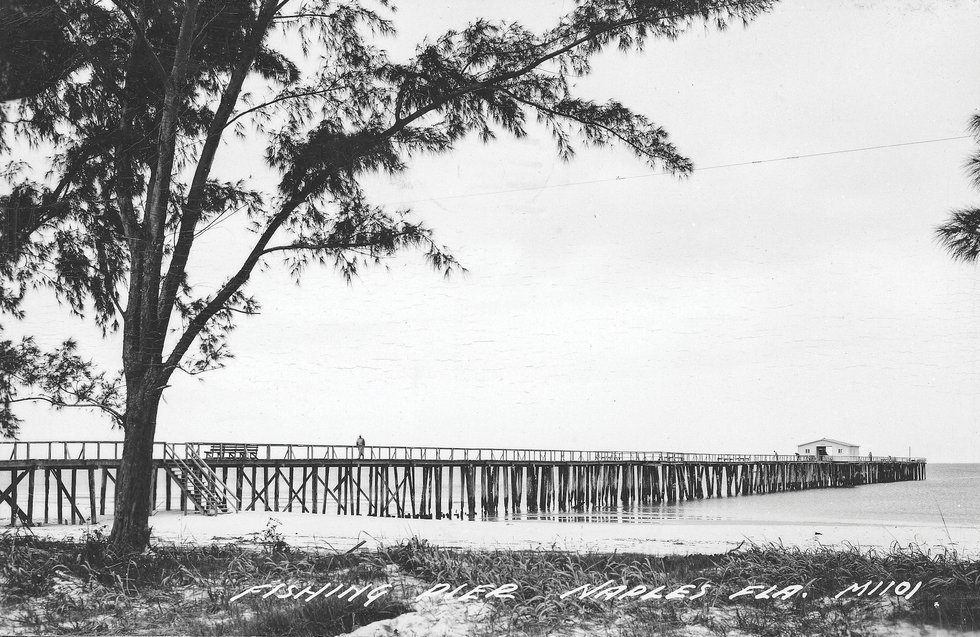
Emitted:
<point x="198" y="481"/>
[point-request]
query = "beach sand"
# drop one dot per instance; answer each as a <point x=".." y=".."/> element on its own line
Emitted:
<point x="655" y="538"/>
<point x="452" y="618"/>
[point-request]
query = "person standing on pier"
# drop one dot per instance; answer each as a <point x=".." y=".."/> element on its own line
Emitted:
<point x="360" y="446"/>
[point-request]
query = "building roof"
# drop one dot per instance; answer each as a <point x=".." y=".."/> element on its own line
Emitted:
<point x="836" y="442"/>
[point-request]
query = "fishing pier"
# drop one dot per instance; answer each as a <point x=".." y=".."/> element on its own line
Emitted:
<point x="72" y="482"/>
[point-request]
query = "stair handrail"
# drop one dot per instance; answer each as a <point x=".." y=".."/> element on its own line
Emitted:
<point x="213" y="479"/>
<point x="199" y="496"/>
<point x="205" y="497"/>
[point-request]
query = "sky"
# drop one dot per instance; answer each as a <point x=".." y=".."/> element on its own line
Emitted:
<point x="747" y="308"/>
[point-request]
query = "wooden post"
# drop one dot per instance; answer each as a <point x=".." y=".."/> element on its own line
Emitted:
<point x="74" y="492"/>
<point x="183" y="491"/>
<point x="530" y="496"/>
<point x="314" y="487"/>
<point x="275" y="476"/>
<point x="355" y="488"/>
<point x="470" y="492"/>
<point x="519" y="475"/>
<point x="304" y="505"/>
<point x="61" y="517"/>
<point x="505" y="487"/>
<point x="438" y="485"/>
<point x="372" y="508"/>
<point x="91" y="494"/>
<point x="515" y="501"/>
<point x="450" y="506"/>
<point x="224" y="485"/>
<point x="47" y="493"/>
<point x="381" y="488"/>
<point x="359" y="490"/>
<point x="483" y="489"/>
<point x="30" y="496"/>
<point x="348" y="473"/>
<point x="410" y="476"/>
<point x="500" y="485"/>
<point x="13" y="497"/>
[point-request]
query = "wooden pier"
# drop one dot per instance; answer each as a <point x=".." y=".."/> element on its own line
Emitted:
<point x="72" y="482"/>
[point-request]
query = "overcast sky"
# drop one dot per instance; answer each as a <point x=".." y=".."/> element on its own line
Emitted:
<point x="745" y="309"/>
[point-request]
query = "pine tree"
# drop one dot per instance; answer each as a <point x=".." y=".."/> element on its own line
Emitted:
<point x="960" y="235"/>
<point x="138" y="124"/>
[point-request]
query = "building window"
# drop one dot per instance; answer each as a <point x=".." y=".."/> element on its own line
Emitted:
<point x="808" y="450"/>
<point x="840" y="451"/>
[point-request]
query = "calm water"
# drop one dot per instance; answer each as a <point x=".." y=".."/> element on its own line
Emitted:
<point x="951" y="492"/>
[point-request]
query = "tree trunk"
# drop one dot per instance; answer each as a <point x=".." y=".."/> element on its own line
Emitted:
<point x="130" y="526"/>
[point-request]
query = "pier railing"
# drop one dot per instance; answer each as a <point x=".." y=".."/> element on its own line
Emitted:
<point x="112" y="450"/>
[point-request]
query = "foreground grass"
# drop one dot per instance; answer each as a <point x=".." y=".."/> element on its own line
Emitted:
<point x="949" y="595"/>
<point x="58" y="587"/>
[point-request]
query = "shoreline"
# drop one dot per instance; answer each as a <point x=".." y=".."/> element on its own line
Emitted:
<point x="256" y="585"/>
<point x="669" y="537"/>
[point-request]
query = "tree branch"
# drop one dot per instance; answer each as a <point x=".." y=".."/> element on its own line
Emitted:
<point x="400" y="124"/>
<point x="166" y="141"/>
<point x="99" y="64"/>
<point x="590" y="34"/>
<point x="587" y="122"/>
<point x="141" y="34"/>
<point x="231" y="286"/>
<point x="192" y="209"/>
<point x="281" y="98"/>
<point x="328" y="245"/>
<point x="60" y="404"/>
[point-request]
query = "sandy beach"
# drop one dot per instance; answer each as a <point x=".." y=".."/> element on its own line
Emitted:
<point x="453" y="617"/>
<point x="660" y="538"/>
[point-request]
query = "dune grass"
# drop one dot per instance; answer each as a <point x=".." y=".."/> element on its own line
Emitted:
<point x="64" y="587"/>
<point x="59" y="587"/>
<point x="949" y="596"/>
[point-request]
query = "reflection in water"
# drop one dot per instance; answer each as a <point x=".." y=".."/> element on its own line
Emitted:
<point x="638" y="514"/>
<point x="947" y="497"/>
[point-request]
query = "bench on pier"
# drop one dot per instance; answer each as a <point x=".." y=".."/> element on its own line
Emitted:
<point x="609" y="455"/>
<point x="232" y="450"/>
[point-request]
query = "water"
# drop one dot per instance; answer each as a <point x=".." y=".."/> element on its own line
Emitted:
<point x="949" y="496"/>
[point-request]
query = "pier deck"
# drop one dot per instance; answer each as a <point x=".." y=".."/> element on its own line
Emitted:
<point x="426" y="482"/>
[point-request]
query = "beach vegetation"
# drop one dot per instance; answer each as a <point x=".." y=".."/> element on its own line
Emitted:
<point x="56" y="586"/>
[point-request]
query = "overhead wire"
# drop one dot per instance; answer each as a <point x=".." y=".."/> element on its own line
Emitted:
<point x="225" y="216"/>
<point x="696" y="169"/>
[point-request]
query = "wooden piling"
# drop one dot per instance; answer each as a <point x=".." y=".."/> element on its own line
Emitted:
<point x="47" y="494"/>
<point x="488" y="487"/>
